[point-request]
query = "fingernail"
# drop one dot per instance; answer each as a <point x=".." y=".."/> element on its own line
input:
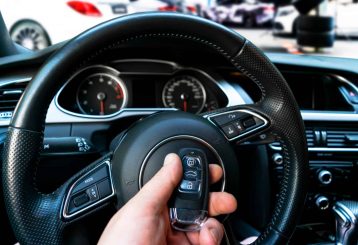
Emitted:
<point x="216" y="234"/>
<point x="169" y="159"/>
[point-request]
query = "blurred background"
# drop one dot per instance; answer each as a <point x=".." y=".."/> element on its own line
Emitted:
<point x="320" y="27"/>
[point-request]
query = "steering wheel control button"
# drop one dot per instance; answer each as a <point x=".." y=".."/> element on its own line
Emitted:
<point x="104" y="188"/>
<point x="95" y="177"/>
<point x="230" y="131"/>
<point x="189" y="203"/>
<point x="237" y="124"/>
<point x="89" y="190"/>
<point x="249" y="122"/>
<point x="92" y="192"/>
<point x="81" y="199"/>
<point x="226" y="118"/>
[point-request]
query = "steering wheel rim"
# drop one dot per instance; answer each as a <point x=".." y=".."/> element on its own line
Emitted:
<point x="35" y="217"/>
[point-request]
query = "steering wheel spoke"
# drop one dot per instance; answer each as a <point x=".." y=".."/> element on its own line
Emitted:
<point x="88" y="190"/>
<point x="246" y="124"/>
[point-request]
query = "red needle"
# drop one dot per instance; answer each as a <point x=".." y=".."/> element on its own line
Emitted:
<point x="102" y="107"/>
<point x="185" y="105"/>
<point x="119" y="92"/>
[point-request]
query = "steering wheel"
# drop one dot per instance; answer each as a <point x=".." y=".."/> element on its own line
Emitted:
<point x="39" y="218"/>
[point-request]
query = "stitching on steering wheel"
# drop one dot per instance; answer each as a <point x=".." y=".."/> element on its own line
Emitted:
<point x="243" y="70"/>
<point x="36" y="167"/>
<point x="283" y="191"/>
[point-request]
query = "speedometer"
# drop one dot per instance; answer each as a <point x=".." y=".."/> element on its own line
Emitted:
<point x="185" y="93"/>
<point x="101" y="94"/>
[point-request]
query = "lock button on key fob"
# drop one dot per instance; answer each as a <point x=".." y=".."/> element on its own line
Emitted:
<point x="189" y="203"/>
<point x="191" y="174"/>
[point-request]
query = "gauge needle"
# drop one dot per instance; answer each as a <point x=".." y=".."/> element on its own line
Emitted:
<point x="102" y="107"/>
<point x="184" y="98"/>
<point x="119" y="92"/>
<point x="185" y="105"/>
<point x="101" y="97"/>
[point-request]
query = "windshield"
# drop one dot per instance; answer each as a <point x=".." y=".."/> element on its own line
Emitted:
<point x="321" y="27"/>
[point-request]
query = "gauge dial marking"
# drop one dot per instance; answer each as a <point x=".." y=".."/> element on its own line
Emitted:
<point x="101" y="94"/>
<point x="185" y="93"/>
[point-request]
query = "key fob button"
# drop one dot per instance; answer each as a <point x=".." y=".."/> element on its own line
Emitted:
<point x="192" y="175"/>
<point x="189" y="186"/>
<point x="191" y="162"/>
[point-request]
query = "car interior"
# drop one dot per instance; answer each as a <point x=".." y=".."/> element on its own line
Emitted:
<point x="85" y="123"/>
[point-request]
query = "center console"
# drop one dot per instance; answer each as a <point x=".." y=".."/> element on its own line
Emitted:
<point x="333" y="176"/>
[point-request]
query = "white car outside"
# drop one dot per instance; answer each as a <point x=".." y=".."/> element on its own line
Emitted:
<point x="346" y="19"/>
<point x="345" y="12"/>
<point x="286" y="20"/>
<point x="40" y="23"/>
<point x="148" y="5"/>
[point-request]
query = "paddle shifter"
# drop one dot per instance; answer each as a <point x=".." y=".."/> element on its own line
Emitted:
<point x="189" y="204"/>
<point x="346" y="213"/>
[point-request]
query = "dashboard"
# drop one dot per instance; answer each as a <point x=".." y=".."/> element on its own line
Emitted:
<point x="101" y="99"/>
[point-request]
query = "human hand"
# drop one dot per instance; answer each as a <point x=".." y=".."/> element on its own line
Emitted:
<point x="145" y="218"/>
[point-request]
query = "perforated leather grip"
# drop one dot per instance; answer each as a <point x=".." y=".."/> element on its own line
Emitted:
<point x="34" y="216"/>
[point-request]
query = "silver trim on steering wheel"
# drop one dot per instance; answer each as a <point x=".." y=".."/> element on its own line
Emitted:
<point x="67" y="200"/>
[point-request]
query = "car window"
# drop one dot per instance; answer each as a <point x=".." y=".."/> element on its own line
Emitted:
<point x="329" y="28"/>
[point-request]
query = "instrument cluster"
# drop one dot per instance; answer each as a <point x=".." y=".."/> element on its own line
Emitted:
<point x="101" y="91"/>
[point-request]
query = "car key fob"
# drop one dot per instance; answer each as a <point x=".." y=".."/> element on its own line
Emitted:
<point x="188" y="207"/>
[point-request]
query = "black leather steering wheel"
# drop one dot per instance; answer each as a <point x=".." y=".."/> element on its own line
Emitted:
<point x="39" y="218"/>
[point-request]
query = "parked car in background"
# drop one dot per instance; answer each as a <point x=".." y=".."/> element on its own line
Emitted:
<point x="151" y="5"/>
<point x="200" y="5"/>
<point x="185" y="6"/>
<point x="344" y="12"/>
<point x="286" y="21"/>
<point x="40" y="23"/>
<point x="248" y="13"/>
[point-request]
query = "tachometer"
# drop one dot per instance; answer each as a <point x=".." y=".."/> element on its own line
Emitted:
<point x="101" y="94"/>
<point x="185" y="93"/>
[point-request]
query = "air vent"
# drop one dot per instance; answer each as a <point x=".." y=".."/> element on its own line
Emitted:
<point x="10" y="94"/>
<point x="340" y="139"/>
<point x="310" y="138"/>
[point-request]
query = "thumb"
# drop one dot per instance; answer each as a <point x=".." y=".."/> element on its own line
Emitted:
<point x="156" y="193"/>
<point x="211" y="233"/>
